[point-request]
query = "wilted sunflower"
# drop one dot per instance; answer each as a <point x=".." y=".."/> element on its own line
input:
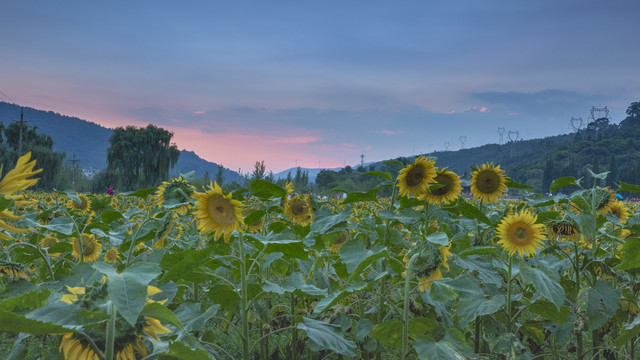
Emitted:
<point x="617" y="208"/>
<point x="16" y="179"/>
<point x="488" y="183"/>
<point x="13" y="270"/>
<point x="47" y="242"/>
<point x="342" y="239"/>
<point x="177" y="189"/>
<point x="218" y="213"/>
<point x="450" y="189"/>
<point x="90" y="247"/>
<point x="427" y="265"/>
<point x="520" y="233"/>
<point x="84" y="206"/>
<point x="563" y="229"/>
<point x="299" y="210"/>
<point x="415" y="179"/>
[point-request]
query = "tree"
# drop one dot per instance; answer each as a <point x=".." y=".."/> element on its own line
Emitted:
<point x="325" y="178"/>
<point x="41" y="148"/>
<point x="141" y="156"/>
<point x="633" y="117"/>
<point x="206" y="177"/>
<point x="220" y="175"/>
<point x="258" y="170"/>
<point x="612" y="178"/>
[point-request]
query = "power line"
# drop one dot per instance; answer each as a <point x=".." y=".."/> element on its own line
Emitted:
<point x="8" y="98"/>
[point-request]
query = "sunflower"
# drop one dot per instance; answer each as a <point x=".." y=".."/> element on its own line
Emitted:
<point x="75" y="348"/>
<point x="47" y="242"/>
<point x="16" y="179"/>
<point x="563" y="229"/>
<point x="90" y="247"/>
<point x="450" y="189"/>
<point x="13" y="270"/>
<point x="112" y="255"/>
<point x="299" y="210"/>
<point x="415" y="179"/>
<point x="218" y="213"/>
<point x="617" y="208"/>
<point x="342" y="239"/>
<point x="254" y="227"/>
<point x="288" y="187"/>
<point x="84" y="206"/>
<point x="520" y="233"/>
<point x="427" y="264"/>
<point x="177" y="189"/>
<point x="488" y="183"/>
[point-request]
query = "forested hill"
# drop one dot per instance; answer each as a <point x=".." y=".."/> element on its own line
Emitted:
<point x="89" y="141"/>
<point x="603" y="145"/>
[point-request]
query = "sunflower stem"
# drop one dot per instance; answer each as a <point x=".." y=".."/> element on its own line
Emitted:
<point x="10" y="247"/>
<point x="243" y="300"/>
<point x="131" y="246"/>
<point x="577" y="295"/>
<point x="509" y="319"/>
<point x="476" y="341"/>
<point x="111" y="333"/>
<point x="294" y="330"/>
<point x="405" y="315"/>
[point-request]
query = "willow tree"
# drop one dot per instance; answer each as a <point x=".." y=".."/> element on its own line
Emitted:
<point x="142" y="157"/>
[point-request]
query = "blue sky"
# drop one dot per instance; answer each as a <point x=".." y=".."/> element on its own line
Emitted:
<point x="319" y="83"/>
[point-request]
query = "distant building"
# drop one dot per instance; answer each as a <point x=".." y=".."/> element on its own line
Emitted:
<point x="90" y="172"/>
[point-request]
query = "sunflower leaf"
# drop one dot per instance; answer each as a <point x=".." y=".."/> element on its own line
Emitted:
<point x="630" y="261"/>
<point x="380" y="174"/>
<point x="141" y="193"/>
<point x="128" y="290"/>
<point x="514" y="185"/>
<point x="327" y="337"/>
<point x="451" y="347"/>
<point x="562" y="182"/>
<point x="265" y="190"/>
<point x="629" y="188"/>
<point x="361" y="196"/>
<point x="545" y="280"/>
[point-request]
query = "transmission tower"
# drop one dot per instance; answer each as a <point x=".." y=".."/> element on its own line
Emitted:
<point x="513" y="136"/>
<point x="446" y="146"/>
<point x="576" y="123"/>
<point x="463" y="139"/>
<point x="22" y="122"/>
<point x="501" y="131"/>
<point x="599" y="111"/>
<point x="73" y="162"/>
<point x="361" y="159"/>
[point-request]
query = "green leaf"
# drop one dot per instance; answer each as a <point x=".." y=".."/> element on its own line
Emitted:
<point x="629" y="188"/>
<point x="393" y="162"/>
<point x="363" y="328"/>
<point x="67" y="315"/>
<point x="549" y="311"/>
<point x="361" y="196"/>
<point x="185" y="347"/>
<point x="388" y="333"/>
<point x="405" y="216"/>
<point x="482" y="266"/>
<point x="29" y="300"/>
<point x="438" y="238"/>
<point x="514" y="185"/>
<point x="472" y="307"/>
<point x="627" y="335"/>
<point x="630" y="255"/>
<point x="265" y="190"/>
<point x="545" y="280"/>
<point x="562" y="182"/>
<point x="141" y="193"/>
<point x="601" y="302"/>
<point x="183" y="265"/>
<point x="192" y="317"/>
<point x="128" y="290"/>
<point x="254" y="217"/>
<point x="451" y="347"/>
<point x="380" y="174"/>
<point x="442" y="292"/>
<point x="354" y="255"/>
<point x="326" y="337"/>
<point x="15" y="323"/>
<point x="62" y="225"/>
<point x="291" y="248"/>
<point x="294" y="284"/>
<point x="160" y="312"/>
<point x="327" y="224"/>
<point x="338" y="296"/>
<point x="6" y="203"/>
<point x="461" y="207"/>
<point x="601" y="176"/>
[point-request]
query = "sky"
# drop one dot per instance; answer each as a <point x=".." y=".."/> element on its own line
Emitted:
<point x="320" y="83"/>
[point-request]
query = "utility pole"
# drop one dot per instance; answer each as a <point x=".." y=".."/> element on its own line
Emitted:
<point x="73" y="162"/>
<point x="20" y="132"/>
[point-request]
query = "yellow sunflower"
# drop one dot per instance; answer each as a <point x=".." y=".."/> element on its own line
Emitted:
<point x="299" y="210"/>
<point x="177" y="189"/>
<point x="74" y="348"/>
<point x="218" y="213"/>
<point x="84" y="206"/>
<point x="449" y="191"/>
<point x="17" y="178"/>
<point x="90" y="247"/>
<point x="47" y="242"/>
<point x="112" y="255"/>
<point x="520" y="233"/>
<point x="618" y="208"/>
<point x="488" y="183"/>
<point x="415" y="179"/>
<point x="288" y="187"/>
<point x="342" y="239"/>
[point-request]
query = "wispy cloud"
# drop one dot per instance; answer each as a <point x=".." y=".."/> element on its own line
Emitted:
<point x="480" y="109"/>
<point x="387" y="132"/>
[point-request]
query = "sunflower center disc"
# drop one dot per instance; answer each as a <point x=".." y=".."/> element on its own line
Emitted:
<point x="415" y="176"/>
<point x="221" y="210"/>
<point x="488" y="182"/>
<point x="521" y="236"/>
<point x="442" y="180"/>
<point x="299" y="208"/>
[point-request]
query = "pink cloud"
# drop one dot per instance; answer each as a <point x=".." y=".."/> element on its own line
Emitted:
<point x="481" y="109"/>
<point x="387" y="132"/>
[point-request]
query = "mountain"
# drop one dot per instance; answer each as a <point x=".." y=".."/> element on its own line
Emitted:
<point x="312" y="173"/>
<point x="89" y="141"/>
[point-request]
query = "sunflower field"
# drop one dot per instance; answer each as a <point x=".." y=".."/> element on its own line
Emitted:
<point x="176" y="272"/>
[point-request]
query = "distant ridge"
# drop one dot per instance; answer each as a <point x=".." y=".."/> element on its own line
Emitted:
<point x="89" y="141"/>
